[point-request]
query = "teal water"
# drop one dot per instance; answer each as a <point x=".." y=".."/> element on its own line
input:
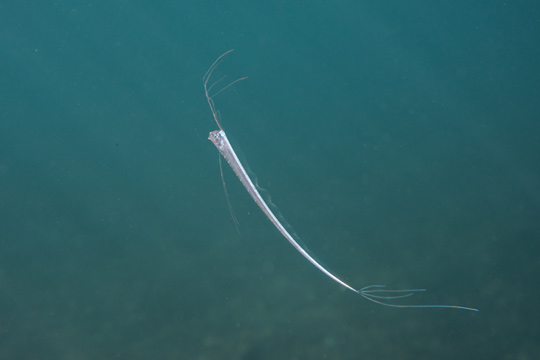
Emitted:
<point x="399" y="140"/>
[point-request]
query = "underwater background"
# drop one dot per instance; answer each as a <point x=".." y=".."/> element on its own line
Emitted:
<point x="399" y="139"/>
